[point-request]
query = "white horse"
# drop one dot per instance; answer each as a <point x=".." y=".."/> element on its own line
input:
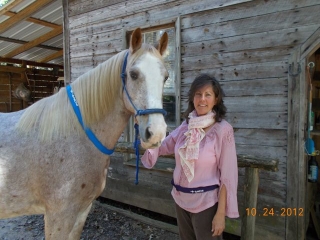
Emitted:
<point x="49" y="166"/>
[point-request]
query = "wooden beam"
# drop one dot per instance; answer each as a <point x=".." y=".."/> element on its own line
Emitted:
<point x="12" y="69"/>
<point x="35" y="20"/>
<point x="66" y="43"/>
<point x="24" y="42"/>
<point x="9" y="6"/>
<point x="30" y="63"/>
<point x="29" y="71"/>
<point x="296" y="162"/>
<point x="52" y="56"/>
<point x="23" y="14"/>
<point x="243" y="160"/>
<point x="35" y="42"/>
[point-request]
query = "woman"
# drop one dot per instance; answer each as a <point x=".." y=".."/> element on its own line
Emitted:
<point x="205" y="178"/>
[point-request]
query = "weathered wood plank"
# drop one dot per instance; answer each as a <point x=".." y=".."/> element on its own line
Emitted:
<point x="246" y="10"/>
<point x="83" y="6"/>
<point x="265" y="103"/>
<point x="91" y="60"/>
<point x="257" y="119"/>
<point x="285" y="37"/>
<point x="279" y="153"/>
<point x="88" y="38"/>
<point x="256" y="24"/>
<point x="255" y="87"/>
<point x="265" y="137"/>
<point x="91" y="50"/>
<point x="224" y="59"/>
<point x="240" y="72"/>
<point x="151" y="9"/>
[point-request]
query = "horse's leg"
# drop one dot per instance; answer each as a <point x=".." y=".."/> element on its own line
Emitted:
<point x="78" y="226"/>
<point x="65" y="224"/>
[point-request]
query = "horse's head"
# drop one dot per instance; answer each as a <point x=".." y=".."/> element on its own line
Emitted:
<point x="146" y="75"/>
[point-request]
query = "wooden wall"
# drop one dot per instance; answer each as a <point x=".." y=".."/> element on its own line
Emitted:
<point x="39" y="81"/>
<point x="246" y="45"/>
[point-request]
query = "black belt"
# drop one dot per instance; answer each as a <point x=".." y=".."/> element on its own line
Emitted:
<point x="194" y="190"/>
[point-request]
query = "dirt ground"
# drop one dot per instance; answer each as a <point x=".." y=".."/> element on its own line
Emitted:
<point x="102" y="224"/>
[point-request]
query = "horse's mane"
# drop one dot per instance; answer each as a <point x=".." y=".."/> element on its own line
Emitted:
<point x="95" y="91"/>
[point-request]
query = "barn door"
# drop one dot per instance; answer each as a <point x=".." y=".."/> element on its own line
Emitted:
<point x="298" y="99"/>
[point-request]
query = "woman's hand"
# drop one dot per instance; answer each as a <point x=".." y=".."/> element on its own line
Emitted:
<point x="218" y="224"/>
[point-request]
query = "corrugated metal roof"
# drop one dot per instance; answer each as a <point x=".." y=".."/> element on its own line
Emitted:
<point x="26" y="31"/>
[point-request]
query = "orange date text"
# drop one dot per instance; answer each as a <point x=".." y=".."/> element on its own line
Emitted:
<point x="271" y="212"/>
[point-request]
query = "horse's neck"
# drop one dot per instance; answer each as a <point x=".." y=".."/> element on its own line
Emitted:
<point x="112" y="126"/>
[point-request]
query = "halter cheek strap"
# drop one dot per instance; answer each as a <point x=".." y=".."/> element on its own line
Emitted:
<point x="137" y="113"/>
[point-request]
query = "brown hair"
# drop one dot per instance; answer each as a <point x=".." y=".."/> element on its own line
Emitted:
<point x="199" y="82"/>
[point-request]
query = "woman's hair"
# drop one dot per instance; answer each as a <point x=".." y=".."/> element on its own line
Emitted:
<point x="199" y="82"/>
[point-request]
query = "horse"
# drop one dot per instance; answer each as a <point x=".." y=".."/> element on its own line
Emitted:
<point x="49" y="166"/>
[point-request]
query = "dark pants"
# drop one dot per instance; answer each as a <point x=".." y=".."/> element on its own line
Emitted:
<point x="196" y="226"/>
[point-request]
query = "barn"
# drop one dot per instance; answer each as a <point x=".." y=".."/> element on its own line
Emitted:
<point x="266" y="55"/>
<point x="258" y="50"/>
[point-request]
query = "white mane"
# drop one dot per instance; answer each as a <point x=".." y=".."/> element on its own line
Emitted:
<point x="95" y="92"/>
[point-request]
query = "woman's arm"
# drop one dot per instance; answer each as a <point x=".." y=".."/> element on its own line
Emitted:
<point x="150" y="156"/>
<point x="218" y="222"/>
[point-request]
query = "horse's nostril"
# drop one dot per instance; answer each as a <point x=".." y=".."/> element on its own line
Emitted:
<point x="148" y="133"/>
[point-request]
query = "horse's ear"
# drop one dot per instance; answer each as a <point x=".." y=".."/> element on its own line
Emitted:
<point x="135" y="40"/>
<point x="162" y="44"/>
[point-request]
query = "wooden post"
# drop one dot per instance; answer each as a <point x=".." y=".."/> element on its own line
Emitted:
<point x="250" y="203"/>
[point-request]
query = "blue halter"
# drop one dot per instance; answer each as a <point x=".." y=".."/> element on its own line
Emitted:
<point x="90" y="134"/>
<point x="138" y="113"/>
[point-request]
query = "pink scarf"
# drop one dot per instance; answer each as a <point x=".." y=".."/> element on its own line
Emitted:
<point x="189" y="152"/>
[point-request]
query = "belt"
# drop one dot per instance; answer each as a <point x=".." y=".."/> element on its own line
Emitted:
<point x="194" y="190"/>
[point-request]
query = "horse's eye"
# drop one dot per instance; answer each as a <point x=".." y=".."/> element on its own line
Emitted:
<point x="166" y="78"/>
<point x="134" y="75"/>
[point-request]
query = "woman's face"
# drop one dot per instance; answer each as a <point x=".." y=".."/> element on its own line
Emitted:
<point x="204" y="99"/>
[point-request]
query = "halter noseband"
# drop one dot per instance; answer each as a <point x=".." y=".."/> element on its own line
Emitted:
<point x="137" y="113"/>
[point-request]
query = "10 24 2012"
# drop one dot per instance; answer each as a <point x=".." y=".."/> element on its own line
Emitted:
<point x="271" y="212"/>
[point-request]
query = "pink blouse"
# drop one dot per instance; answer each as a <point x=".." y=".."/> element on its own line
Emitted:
<point x="217" y="164"/>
